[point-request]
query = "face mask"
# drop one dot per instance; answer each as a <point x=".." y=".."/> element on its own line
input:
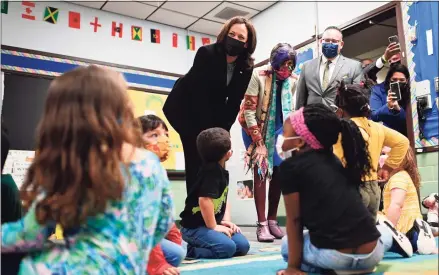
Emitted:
<point x="233" y="46"/>
<point x="161" y="148"/>
<point x="330" y="50"/>
<point x="285" y="154"/>
<point x="403" y="86"/>
<point x="283" y="73"/>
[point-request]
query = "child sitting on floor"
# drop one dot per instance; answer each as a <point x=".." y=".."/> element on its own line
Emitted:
<point x="324" y="196"/>
<point x="401" y="205"/>
<point x="431" y="203"/>
<point x="204" y="228"/>
<point x="167" y="255"/>
<point x="353" y="104"/>
<point x="91" y="177"/>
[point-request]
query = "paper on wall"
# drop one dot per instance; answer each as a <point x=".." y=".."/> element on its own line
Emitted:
<point x="429" y="34"/>
<point x="179" y="161"/>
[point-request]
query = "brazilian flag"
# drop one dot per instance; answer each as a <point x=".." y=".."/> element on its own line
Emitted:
<point x="51" y="15"/>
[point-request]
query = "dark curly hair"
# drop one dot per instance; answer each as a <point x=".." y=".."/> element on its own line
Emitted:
<point x="213" y="144"/>
<point x="326" y="127"/>
<point x="353" y="99"/>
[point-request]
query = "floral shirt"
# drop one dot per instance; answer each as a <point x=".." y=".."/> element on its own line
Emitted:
<point x="115" y="242"/>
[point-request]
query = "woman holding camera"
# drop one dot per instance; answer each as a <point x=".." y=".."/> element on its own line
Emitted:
<point x="388" y="106"/>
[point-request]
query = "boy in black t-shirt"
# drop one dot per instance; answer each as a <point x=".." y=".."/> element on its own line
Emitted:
<point x="205" y="226"/>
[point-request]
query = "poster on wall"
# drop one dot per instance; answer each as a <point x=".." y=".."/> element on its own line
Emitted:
<point x="17" y="163"/>
<point x="151" y="103"/>
<point x="245" y="190"/>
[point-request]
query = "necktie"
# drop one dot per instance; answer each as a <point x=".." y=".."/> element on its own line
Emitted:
<point x="326" y="75"/>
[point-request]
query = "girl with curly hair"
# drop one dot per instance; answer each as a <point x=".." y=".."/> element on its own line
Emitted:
<point x="323" y="196"/>
<point x="90" y="176"/>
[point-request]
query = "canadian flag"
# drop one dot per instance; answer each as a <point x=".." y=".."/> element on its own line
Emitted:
<point x="28" y="5"/>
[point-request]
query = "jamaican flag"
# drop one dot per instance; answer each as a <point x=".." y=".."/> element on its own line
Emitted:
<point x="51" y="15"/>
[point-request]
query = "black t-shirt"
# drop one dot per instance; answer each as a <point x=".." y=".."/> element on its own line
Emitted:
<point x="212" y="182"/>
<point x="330" y="207"/>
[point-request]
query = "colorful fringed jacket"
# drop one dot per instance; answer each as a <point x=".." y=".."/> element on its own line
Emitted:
<point x="255" y="113"/>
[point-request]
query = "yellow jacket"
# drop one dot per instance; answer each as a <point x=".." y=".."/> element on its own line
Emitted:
<point x="378" y="136"/>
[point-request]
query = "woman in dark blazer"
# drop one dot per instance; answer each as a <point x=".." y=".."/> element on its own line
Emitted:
<point x="210" y="94"/>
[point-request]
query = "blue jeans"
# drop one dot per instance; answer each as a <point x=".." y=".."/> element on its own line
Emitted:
<point x="174" y="253"/>
<point x="210" y="244"/>
<point x="315" y="260"/>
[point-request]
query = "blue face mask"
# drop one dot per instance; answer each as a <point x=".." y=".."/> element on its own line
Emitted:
<point x="330" y="50"/>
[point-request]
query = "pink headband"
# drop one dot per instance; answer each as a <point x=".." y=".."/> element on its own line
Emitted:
<point x="298" y="123"/>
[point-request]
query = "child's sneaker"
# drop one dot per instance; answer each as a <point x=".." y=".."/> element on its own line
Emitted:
<point x="431" y="203"/>
<point x="401" y="243"/>
<point x="426" y="243"/>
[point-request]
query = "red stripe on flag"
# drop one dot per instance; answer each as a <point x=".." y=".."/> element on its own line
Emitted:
<point x="174" y="40"/>
<point x="115" y="29"/>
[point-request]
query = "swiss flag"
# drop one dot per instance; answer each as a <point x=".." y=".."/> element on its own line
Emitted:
<point x="74" y="20"/>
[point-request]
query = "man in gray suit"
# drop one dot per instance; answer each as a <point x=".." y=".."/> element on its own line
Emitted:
<point x="320" y="77"/>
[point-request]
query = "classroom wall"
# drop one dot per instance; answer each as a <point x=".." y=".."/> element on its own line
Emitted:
<point x="294" y="22"/>
<point x="428" y="168"/>
<point x="59" y="38"/>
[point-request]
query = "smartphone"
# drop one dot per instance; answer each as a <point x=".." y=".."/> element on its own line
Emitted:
<point x="394" y="39"/>
<point x="394" y="88"/>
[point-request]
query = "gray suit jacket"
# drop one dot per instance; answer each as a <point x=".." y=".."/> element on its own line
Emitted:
<point x="309" y="89"/>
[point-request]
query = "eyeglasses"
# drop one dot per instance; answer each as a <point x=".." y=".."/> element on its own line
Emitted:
<point x="333" y="41"/>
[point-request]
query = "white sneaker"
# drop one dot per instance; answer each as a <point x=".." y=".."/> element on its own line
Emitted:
<point x="426" y="243"/>
<point x="401" y="243"/>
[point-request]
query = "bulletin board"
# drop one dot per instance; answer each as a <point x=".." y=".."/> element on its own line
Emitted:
<point x="152" y="103"/>
<point x="420" y="22"/>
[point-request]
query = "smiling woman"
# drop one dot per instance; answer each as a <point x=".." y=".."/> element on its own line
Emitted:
<point x="210" y="94"/>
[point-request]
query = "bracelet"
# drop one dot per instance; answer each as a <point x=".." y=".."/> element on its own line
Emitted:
<point x="383" y="59"/>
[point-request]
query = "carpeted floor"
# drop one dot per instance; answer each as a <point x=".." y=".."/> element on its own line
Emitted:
<point x="265" y="259"/>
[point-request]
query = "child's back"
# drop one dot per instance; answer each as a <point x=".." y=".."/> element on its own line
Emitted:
<point x="378" y="136"/>
<point x="117" y="241"/>
<point x="111" y="198"/>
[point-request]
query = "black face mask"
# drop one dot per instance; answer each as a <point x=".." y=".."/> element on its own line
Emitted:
<point x="403" y="86"/>
<point x="233" y="46"/>
<point x="395" y="63"/>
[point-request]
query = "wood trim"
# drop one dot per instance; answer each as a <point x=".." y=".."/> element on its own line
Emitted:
<point x="10" y="48"/>
<point x="50" y="77"/>
<point x="408" y="107"/>
<point x="357" y="20"/>
<point x="428" y="149"/>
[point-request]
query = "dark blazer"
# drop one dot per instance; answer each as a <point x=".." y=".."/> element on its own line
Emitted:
<point x="201" y="99"/>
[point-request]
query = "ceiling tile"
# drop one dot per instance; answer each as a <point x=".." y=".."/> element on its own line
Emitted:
<point x="207" y="27"/>
<point x="172" y="18"/>
<point x="195" y="8"/>
<point x="152" y="3"/>
<point x="133" y="9"/>
<point x="91" y="4"/>
<point x="224" y="5"/>
<point x="260" y="6"/>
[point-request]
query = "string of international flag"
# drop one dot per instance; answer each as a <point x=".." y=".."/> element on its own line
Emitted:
<point x="51" y="15"/>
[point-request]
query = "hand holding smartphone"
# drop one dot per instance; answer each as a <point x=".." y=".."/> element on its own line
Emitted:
<point x="394" y="39"/>
<point x="395" y="89"/>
